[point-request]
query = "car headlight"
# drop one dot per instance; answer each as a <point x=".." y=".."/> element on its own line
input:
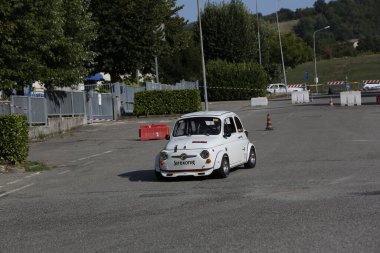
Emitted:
<point x="164" y="155"/>
<point x="205" y="154"/>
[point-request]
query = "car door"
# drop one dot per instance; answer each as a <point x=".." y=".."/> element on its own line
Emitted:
<point x="275" y="88"/>
<point x="282" y="88"/>
<point x="242" y="139"/>
<point x="233" y="142"/>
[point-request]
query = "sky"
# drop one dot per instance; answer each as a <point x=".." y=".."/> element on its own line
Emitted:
<point x="265" y="7"/>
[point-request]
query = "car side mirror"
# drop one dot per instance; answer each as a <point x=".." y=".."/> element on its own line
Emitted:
<point x="167" y="137"/>
<point x="246" y="133"/>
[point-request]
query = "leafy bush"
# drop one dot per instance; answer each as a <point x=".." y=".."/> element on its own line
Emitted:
<point x="235" y="81"/>
<point x="159" y="102"/>
<point x="13" y="138"/>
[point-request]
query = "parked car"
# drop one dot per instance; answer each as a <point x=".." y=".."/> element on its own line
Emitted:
<point x="371" y="86"/>
<point x="281" y="88"/>
<point x="205" y="142"/>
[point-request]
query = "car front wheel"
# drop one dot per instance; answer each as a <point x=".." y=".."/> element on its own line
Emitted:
<point x="224" y="169"/>
<point x="251" y="163"/>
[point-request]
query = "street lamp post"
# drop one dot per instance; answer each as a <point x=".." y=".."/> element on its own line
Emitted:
<point x="315" y="57"/>
<point x="282" y="54"/>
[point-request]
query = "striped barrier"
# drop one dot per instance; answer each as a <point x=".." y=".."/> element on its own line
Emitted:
<point x="371" y="81"/>
<point x="296" y="86"/>
<point x="336" y="82"/>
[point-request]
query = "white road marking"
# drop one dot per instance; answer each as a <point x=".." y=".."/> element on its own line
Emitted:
<point x="63" y="172"/>
<point x="32" y="175"/>
<point x="15" y="190"/>
<point x="87" y="163"/>
<point x="340" y="180"/>
<point x="91" y="156"/>
<point x="16" y="181"/>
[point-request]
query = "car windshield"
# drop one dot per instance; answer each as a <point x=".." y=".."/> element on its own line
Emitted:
<point x="197" y="126"/>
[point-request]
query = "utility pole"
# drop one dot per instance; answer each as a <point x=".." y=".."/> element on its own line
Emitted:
<point x="156" y="63"/>
<point x="203" y="57"/>
<point x="258" y="32"/>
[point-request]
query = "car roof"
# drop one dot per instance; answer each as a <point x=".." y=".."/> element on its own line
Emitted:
<point x="207" y="114"/>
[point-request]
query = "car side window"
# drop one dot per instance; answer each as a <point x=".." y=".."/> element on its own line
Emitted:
<point x="229" y="126"/>
<point x="239" y="125"/>
<point x="180" y="128"/>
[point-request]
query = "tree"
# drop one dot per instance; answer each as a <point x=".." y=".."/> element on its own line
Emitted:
<point x="235" y="81"/>
<point x="295" y="50"/>
<point x="369" y="44"/>
<point x="229" y="32"/>
<point x="185" y="64"/>
<point x="45" y="41"/>
<point x="132" y="32"/>
<point x="348" y="19"/>
<point x="283" y="15"/>
<point x="320" y="6"/>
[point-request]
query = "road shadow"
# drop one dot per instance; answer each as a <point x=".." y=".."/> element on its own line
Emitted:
<point x="149" y="176"/>
<point x="140" y="176"/>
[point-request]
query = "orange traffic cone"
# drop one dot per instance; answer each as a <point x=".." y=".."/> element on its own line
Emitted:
<point x="269" y="123"/>
<point x="331" y="102"/>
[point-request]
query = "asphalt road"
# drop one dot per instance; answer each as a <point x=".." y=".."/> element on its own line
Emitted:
<point x="316" y="188"/>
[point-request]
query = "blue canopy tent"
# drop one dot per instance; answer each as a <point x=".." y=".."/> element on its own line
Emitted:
<point x="96" y="77"/>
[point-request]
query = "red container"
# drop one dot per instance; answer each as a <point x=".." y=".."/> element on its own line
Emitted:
<point x="378" y="99"/>
<point x="153" y="132"/>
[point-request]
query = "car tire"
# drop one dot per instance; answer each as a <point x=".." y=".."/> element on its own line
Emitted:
<point x="251" y="163"/>
<point x="224" y="169"/>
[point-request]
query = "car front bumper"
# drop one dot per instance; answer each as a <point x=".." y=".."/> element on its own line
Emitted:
<point x="189" y="172"/>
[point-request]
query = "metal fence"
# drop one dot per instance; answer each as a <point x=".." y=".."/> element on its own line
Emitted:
<point x="96" y="102"/>
<point x="178" y="86"/>
<point x="99" y="106"/>
<point x="5" y="108"/>
<point x="34" y="108"/>
<point x="61" y="103"/>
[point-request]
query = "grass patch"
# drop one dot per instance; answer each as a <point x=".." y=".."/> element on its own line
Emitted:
<point x="288" y="26"/>
<point x="26" y="166"/>
<point x="34" y="166"/>
<point x="357" y="69"/>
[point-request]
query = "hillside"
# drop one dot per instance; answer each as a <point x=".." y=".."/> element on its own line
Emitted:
<point x="355" y="68"/>
<point x="288" y="26"/>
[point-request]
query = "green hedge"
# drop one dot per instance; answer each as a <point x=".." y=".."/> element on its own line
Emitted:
<point x="14" y="146"/>
<point x="160" y="102"/>
<point x="235" y="81"/>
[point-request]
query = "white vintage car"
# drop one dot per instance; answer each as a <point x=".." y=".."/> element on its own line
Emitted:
<point x="371" y="86"/>
<point x="281" y="88"/>
<point x="205" y="142"/>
